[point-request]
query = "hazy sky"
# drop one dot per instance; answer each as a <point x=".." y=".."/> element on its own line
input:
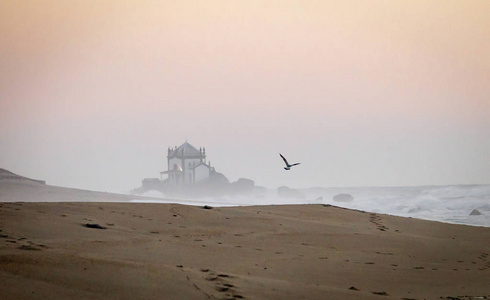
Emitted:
<point x="362" y="93"/>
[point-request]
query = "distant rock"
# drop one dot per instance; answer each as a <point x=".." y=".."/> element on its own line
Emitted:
<point x="217" y="179"/>
<point x="343" y="198"/>
<point x="475" y="212"/>
<point x="147" y="185"/>
<point x="216" y="184"/>
<point x="242" y="186"/>
<point x="285" y="192"/>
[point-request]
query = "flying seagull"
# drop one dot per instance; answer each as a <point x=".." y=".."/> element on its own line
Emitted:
<point x="288" y="166"/>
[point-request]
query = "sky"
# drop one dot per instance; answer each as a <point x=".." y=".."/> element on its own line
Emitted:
<point x="362" y="93"/>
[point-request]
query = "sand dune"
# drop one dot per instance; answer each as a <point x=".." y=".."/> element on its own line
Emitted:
<point x="171" y="251"/>
<point x="14" y="188"/>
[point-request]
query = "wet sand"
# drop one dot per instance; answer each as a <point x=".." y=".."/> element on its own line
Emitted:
<point x="171" y="251"/>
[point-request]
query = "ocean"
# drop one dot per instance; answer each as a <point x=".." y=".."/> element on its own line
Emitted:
<point x="450" y="204"/>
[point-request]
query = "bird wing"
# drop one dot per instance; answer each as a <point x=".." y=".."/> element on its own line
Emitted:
<point x="285" y="160"/>
<point x="294" y="164"/>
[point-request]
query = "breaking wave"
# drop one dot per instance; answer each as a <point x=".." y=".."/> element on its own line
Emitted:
<point x="451" y="204"/>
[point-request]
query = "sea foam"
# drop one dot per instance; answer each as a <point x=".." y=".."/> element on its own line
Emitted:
<point x="451" y="204"/>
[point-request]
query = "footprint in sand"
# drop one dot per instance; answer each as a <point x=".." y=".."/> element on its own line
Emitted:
<point x="223" y="285"/>
<point x="376" y="220"/>
<point x="29" y="247"/>
<point x="221" y="288"/>
<point x="380" y="293"/>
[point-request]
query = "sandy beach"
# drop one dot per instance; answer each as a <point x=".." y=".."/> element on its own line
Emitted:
<point x="171" y="251"/>
<point x="268" y="150"/>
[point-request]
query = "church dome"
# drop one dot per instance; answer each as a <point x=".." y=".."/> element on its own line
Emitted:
<point x="186" y="150"/>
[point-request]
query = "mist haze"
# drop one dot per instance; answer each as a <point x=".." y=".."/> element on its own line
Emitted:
<point x="451" y="204"/>
<point x="361" y="93"/>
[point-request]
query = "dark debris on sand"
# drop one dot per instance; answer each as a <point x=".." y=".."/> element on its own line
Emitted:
<point x="381" y="293"/>
<point x="94" y="225"/>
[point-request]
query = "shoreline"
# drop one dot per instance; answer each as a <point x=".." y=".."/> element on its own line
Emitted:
<point x="93" y="245"/>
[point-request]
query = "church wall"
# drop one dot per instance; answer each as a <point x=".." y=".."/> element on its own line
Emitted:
<point x="174" y="161"/>
<point x="191" y="158"/>
<point x="188" y="173"/>
<point x="202" y="172"/>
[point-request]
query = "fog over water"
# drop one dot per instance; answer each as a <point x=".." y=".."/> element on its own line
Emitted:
<point x="450" y="204"/>
<point x="362" y="93"/>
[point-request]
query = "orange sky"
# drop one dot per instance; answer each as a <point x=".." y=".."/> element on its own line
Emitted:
<point x="363" y="92"/>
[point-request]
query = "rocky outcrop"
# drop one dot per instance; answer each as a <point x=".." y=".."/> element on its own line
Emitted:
<point x="285" y="192"/>
<point x="343" y="198"/>
<point x="215" y="180"/>
<point x="242" y="186"/>
<point x="149" y="184"/>
<point x="216" y="185"/>
<point x="475" y="212"/>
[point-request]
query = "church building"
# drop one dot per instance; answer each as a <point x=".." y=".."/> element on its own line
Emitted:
<point x="186" y="165"/>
